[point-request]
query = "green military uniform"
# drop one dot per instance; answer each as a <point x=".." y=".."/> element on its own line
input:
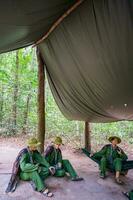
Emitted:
<point x="54" y="158"/>
<point x="34" y="167"/>
<point x="110" y="157"/>
<point x="131" y="195"/>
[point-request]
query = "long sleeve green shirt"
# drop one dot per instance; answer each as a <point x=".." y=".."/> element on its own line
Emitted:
<point x="31" y="160"/>
<point x="53" y="155"/>
<point x="111" y="153"/>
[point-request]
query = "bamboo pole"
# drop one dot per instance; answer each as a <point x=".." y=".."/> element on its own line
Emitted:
<point x="70" y="10"/>
<point x="87" y="136"/>
<point x="41" y="100"/>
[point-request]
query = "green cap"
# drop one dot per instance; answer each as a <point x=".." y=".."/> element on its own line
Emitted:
<point x="33" y="142"/>
<point x="58" y="140"/>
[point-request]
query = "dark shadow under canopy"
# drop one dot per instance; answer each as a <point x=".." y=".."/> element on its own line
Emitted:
<point x="89" y="56"/>
<point x="23" y="22"/>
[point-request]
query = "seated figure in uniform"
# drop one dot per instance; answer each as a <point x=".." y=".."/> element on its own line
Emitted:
<point x="53" y="155"/>
<point x="31" y="166"/>
<point x="111" y="156"/>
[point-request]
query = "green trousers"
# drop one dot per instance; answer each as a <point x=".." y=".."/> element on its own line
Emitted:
<point x="66" y="167"/>
<point x="37" y="177"/>
<point x="117" y="164"/>
<point x="131" y="195"/>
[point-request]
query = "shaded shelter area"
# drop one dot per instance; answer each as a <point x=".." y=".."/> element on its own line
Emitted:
<point x="89" y="64"/>
<point x="63" y="188"/>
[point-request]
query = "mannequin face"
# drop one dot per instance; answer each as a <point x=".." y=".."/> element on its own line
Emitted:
<point x="57" y="146"/>
<point x="114" y="142"/>
<point x="32" y="148"/>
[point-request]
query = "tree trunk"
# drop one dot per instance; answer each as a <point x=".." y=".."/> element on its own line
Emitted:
<point x="15" y="93"/>
<point x="87" y="136"/>
<point x="24" y="129"/>
<point x="41" y="100"/>
<point x="1" y="104"/>
<point x="77" y="128"/>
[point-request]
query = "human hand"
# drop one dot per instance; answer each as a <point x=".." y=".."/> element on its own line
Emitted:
<point x="91" y="153"/>
<point x="58" y="165"/>
<point x="52" y="170"/>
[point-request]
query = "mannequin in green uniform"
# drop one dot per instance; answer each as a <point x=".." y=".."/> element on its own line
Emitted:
<point x="111" y="155"/>
<point x="53" y="156"/>
<point x="34" y="167"/>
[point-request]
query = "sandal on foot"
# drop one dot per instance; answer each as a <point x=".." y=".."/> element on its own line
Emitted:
<point x="77" y="178"/>
<point x="47" y="193"/>
<point x="118" y="181"/>
<point x="126" y="194"/>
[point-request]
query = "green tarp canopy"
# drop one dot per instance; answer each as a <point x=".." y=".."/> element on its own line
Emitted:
<point x="23" y="22"/>
<point x="88" y="57"/>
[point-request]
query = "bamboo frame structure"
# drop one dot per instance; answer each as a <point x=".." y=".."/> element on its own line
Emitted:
<point x="53" y="27"/>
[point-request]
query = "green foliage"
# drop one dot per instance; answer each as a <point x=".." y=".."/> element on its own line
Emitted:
<point x="27" y="85"/>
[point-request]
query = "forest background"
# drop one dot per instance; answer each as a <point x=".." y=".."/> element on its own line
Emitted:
<point x="18" y="106"/>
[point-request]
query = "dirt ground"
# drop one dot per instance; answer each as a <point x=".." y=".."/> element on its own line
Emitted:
<point x="92" y="188"/>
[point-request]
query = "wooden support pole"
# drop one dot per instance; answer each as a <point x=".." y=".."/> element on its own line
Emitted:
<point x="87" y="136"/>
<point x="41" y="100"/>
